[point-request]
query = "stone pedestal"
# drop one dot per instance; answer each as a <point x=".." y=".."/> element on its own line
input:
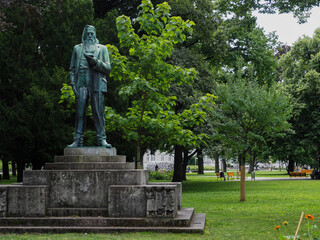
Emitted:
<point x="98" y="189"/>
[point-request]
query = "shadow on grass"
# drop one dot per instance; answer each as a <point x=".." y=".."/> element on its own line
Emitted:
<point x="13" y="179"/>
<point x="201" y="184"/>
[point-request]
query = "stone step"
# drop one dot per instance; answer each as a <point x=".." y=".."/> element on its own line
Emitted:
<point x="99" y="225"/>
<point x="197" y="226"/>
<point x="84" y="158"/>
<point x="182" y="219"/>
<point x="90" y="151"/>
<point x="89" y="166"/>
<point x="80" y="217"/>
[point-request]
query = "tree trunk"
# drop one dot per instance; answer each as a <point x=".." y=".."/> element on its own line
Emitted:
<point x="5" y="168"/>
<point x="216" y="165"/>
<point x="20" y="167"/>
<point x="185" y="163"/>
<point x="243" y="184"/>
<point x="290" y="165"/>
<point x="186" y="158"/>
<point x="177" y="172"/>
<point x="14" y="170"/>
<point x="200" y="162"/>
<point x="137" y="162"/>
<point x="141" y="160"/>
<point x="280" y="163"/>
<point x="224" y="164"/>
<point x="252" y="163"/>
<point x="36" y="163"/>
<point x="243" y="178"/>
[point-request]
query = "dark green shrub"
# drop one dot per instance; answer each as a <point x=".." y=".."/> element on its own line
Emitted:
<point x="160" y="175"/>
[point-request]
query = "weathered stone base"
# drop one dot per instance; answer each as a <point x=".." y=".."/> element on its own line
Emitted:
<point x="197" y="226"/>
<point x="185" y="221"/>
<point x="90" y="151"/>
<point x="94" y="190"/>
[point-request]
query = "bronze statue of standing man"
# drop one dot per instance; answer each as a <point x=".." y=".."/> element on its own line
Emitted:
<point x="88" y="69"/>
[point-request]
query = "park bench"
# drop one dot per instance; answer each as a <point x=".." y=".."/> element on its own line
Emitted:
<point x="239" y="175"/>
<point x="230" y="175"/>
<point x="218" y="176"/>
<point x="308" y="172"/>
<point x="297" y="174"/>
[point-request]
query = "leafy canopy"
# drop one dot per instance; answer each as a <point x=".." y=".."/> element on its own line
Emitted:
<point x="301" y="78"/>
<point x="145" y="76"/>
<point x="248" y="114"/>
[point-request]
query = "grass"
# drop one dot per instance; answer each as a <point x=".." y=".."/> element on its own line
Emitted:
<point x="268" y="204"/>
<point x="12" y="180"/>
<point x="273" y="173"/>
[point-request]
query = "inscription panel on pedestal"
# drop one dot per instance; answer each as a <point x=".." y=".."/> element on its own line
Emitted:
<point x="161" y="201"/>
<point x="26" y="201"/>
<point x="79" y="189"/>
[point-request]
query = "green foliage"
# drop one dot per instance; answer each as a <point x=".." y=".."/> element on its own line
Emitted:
<point x="106" y="27"/>
<point x="160" y="175"/>
<point x="67" y="95"/>
<point x="247" y="51"/>
<point x="226" y="31"/>
<point x="146" y="77"/>
<point x="248" y="114"/>
<point x="300" y="9"/>
<point x="65" y="21"/>
<point x="35" y="52"/>
<point x="301" y="78"/>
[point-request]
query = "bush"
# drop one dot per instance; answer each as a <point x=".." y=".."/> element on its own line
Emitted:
<point x="160" y="175"/>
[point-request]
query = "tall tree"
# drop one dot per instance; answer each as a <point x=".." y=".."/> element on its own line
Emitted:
<point x="247" y="114"/>
<point x="301" y="77"/>
<point x="35" y="45"/>
<point x="145" y="76"/>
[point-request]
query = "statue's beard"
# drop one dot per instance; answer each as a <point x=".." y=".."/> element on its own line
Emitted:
<point x="89" y="46"/>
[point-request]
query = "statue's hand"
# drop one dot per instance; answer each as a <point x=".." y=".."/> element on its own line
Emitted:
<point x="75" y="91"/>
<point x="91" y="59"/>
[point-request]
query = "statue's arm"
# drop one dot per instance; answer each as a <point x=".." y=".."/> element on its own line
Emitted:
<point x="103" y="62"/>
<point x="72" y="70"/>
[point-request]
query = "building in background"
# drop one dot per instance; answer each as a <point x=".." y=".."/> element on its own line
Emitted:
<point x="161" y="157"/>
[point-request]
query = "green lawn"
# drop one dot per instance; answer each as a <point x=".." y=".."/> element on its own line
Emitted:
<point x="273" y="173"/>
<point x="268" y="204"/>
<point x="12" y="180"/>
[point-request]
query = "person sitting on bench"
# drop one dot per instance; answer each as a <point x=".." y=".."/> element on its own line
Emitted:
<point x="222" y="175"/>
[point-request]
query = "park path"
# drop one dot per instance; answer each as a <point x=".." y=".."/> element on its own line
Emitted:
<point x="266" y="178"/>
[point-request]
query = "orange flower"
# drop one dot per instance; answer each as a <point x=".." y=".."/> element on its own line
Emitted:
<point x="277" y="227"/>
<point x="308" y="216"/>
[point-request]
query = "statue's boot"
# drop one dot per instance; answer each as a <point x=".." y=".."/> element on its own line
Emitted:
<point x="103" y="143"/>
<point x="75" y="144"/>
<point x="102" y="139"/>
<point x="78" y="141"/>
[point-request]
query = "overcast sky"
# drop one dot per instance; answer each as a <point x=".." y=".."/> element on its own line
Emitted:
<point x="286" y="25"/>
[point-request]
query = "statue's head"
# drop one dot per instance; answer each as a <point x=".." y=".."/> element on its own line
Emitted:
<point x="89" y="34"/>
